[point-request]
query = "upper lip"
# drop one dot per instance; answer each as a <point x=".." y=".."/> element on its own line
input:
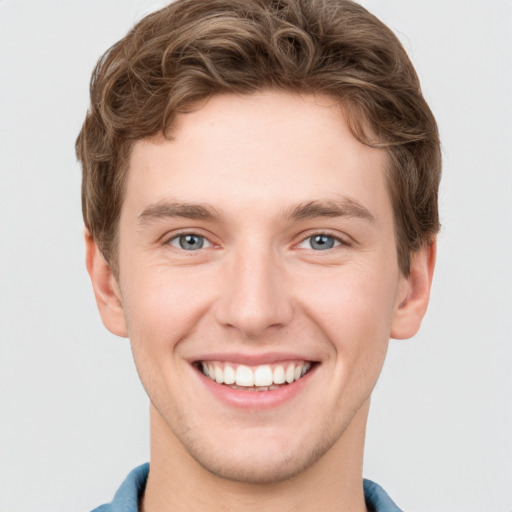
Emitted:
<point x="251" y="359"/>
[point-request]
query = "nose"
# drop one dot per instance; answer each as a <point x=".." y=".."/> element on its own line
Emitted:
<point x="254" y="298"/>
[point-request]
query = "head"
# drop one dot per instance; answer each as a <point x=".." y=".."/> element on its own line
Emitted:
<point x="260" y="188"/>
<point x="175" y="59"/>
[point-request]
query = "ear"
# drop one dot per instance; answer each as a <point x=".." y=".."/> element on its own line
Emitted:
<point x="414" y="293"/>
<point x="106" y="289"/>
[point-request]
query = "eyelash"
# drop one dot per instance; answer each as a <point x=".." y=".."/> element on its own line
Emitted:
<point x="337" y="241"/>
<point x="185" y="234"/>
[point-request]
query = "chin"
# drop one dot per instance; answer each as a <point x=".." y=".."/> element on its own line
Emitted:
<point x="250" y="470"/>
<point x="257" y="462"/>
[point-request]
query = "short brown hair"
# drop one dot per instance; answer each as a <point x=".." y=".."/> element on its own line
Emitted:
<point x="193" y="49"/>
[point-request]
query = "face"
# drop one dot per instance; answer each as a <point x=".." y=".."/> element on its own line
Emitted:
<point x="257" y="247"/>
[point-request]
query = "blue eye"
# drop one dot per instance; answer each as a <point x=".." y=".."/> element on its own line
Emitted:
<point x="189" y="242"/>
<point x="320" y="242"/>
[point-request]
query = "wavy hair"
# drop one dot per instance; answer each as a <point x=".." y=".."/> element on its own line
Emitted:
<point x="193" y="49"/>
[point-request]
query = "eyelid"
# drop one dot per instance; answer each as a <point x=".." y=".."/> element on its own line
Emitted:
<point x="174" y="235"/>
<point x="341" y="240"/>
<point x="206" y="242"/>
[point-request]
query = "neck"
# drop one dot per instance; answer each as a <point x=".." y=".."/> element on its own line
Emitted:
<point x="177" y="483"/>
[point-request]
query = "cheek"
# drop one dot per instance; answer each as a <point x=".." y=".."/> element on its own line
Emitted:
<point x="161" y="310"/>
<point x="354" y="309"/>
<point x="162" y="306"/>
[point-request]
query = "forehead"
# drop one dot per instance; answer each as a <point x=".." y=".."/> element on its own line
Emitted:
<point x="258" y="151"/>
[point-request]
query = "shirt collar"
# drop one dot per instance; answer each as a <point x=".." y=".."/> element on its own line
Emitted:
<point x="128" y="496"/>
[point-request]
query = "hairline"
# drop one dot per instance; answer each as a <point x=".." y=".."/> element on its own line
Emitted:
<point x="359" y="128"/>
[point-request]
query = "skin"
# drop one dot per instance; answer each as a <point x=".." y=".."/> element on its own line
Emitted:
<point x="257" y="288"/>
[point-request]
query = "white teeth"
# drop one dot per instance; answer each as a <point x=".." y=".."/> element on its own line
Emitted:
<point x="260" y="378"/>
<point x="229" y="375"/>
<point x="279" y="376"/>
<point x="263" y="376"/>
<point x="244" y="376"/>
<point x="219" y="375"/>
<point x="290" y="373"/>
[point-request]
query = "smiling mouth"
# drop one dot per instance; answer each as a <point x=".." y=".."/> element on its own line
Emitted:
<point x="266" y="377"/>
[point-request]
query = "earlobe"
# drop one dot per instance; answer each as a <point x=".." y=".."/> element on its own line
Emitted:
<point x="106" y="290"/>
<point x="414" y="296"/>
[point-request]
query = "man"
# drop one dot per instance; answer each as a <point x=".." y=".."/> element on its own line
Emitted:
<point x="260" y="195"/>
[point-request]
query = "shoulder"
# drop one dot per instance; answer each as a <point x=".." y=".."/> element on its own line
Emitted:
<point x="377" y="499"/>
<point x="127" y="497"/>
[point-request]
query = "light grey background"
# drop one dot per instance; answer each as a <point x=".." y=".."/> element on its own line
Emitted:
<point x="73" y="416"/>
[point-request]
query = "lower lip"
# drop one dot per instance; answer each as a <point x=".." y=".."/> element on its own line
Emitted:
<point x="256" y="399"/>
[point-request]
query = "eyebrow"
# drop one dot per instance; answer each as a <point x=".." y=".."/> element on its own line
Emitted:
<point x="165" y="209"/>
<point x="344" y="207"/>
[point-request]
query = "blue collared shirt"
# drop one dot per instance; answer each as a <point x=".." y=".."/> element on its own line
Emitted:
<point x="128" y="495"/>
